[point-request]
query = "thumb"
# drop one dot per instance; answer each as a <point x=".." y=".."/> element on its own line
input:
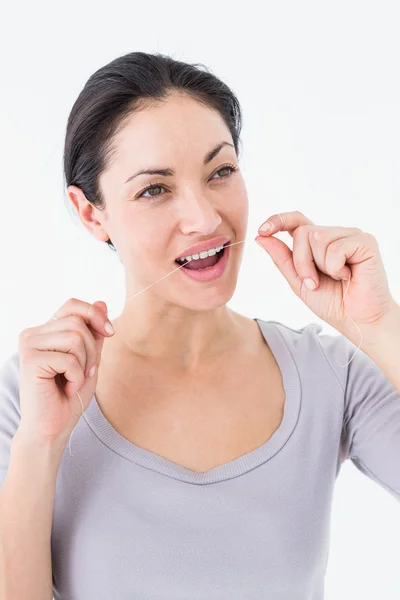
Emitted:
<point x="102" y="305"/>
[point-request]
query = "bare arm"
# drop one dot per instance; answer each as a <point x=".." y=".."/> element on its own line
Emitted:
<point x="26" y="513"/>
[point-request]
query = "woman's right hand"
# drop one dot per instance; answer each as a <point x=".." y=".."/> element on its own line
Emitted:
<point x="54" y="362"/>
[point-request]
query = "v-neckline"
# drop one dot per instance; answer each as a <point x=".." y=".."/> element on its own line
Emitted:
<point x="150" y="460"/>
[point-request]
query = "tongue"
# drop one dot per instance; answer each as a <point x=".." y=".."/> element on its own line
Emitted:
<point x="203" y="263"/>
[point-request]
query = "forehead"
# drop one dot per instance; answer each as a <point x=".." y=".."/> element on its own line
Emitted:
<point x="179" y="125"/>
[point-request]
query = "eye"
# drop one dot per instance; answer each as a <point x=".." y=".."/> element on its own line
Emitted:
<point x="151" y="187"/>
<point x="232" y="169"/>
<point x="154" y="186"/>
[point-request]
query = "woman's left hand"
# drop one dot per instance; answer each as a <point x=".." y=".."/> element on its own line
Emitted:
<point x="329" y="256"/>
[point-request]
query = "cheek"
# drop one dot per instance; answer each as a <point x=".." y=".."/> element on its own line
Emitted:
<point x="237" y="204"/>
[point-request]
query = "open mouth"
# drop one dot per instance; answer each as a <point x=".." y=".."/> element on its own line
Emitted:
<point x="202" y="263"/>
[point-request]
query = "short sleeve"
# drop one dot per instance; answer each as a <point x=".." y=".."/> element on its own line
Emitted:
<point x="371" y="417"/>
<point x="10" y="415"/>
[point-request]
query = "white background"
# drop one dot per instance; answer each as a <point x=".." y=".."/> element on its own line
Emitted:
<point x="319" y="88"/>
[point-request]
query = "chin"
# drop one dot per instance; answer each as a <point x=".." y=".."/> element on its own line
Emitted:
<point x="207" y="299"/>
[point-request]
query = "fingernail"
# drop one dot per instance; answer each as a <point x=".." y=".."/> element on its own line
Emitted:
<point x="92" y="371"/>
<point x="309" y="283"/>
<point x="266" y="227"/>
<point x="109" y="328"/>
<point x="260" y="244"/>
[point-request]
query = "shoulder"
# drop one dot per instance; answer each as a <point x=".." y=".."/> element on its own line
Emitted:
<point x="309" y="333"/>
<point x="9" y="367"/>
<point x="9" y="383"/>
<point x="10" y="413"/>
<point x="313" y="345"/>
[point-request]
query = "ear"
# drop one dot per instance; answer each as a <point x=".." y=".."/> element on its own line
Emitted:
<point x="88" y="213"/>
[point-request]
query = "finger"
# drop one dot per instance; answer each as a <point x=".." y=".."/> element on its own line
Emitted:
<point x="351" y="250"/>
<point x="287" y="221"/>
<point x="310" y="252"/>
<point x="69" y="335"/>
<point x="323" y="241"/>
<point x="92" y="314"/>
<point x="49" y="364"/>
<point x="282" y="257"/>
<point x="306" y="254"/>
<point x="303" y="258"/>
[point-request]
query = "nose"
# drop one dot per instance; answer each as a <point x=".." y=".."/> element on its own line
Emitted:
<point x="198" y="213"/>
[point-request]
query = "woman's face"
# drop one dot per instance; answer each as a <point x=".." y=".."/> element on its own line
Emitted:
<point x="150" y="229"/>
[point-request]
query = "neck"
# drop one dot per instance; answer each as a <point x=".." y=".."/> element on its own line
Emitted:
<point x="180" y="337"/>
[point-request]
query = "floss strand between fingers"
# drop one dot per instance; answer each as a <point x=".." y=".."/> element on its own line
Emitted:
<point x="128" y="300"/>
<point x="149" y="286"/>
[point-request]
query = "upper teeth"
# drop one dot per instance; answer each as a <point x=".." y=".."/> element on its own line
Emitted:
<point x="204" y="254"/>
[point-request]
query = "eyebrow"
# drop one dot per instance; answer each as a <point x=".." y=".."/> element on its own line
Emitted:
<point x="165" y="172"/>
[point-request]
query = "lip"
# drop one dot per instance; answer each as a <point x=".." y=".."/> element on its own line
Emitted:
<point x="202" y="246"/>
<point x="212" y="273"/>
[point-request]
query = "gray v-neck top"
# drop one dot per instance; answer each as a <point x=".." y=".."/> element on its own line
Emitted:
<point x="129" y="524"/>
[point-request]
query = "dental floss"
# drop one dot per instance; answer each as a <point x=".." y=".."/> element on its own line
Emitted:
<point x="354" y="324"/>
<point x="131" y="298"/>
<point x="146" y="288"/>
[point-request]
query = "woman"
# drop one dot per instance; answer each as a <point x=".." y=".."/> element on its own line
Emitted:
<point x="205" y="460"/>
